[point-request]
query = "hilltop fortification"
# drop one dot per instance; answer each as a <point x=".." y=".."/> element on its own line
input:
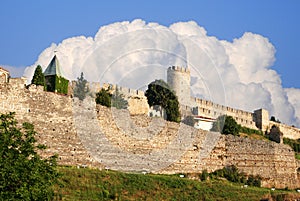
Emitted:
<point x="77" y="141"/>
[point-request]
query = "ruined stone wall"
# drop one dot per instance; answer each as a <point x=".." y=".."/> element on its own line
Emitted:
<point x="113" y="139"/>
<point x="52" y="117"/>
<point x="275" y="163"/>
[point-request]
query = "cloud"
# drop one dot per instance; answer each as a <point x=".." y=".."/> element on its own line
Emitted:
<point x="132" y="54"/>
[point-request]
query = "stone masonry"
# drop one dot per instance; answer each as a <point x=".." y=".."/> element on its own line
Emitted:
<point x="83" y="133"/>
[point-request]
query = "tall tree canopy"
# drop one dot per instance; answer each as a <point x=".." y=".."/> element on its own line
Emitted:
<point x="159" y="93"/>
<point x="81" y="89"/>
<point x="38" y="77"/>
<point x="24" y="175"/>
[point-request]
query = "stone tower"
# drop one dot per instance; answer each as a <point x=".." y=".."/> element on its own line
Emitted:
<point x="179" y="79"/>
<point x="261" y="119"/>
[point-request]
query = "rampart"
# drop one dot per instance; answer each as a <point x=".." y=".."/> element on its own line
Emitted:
<point x="137" y="101"/>
<point x="213" y="110"/>
<point x="288" y="131"/>
<point x="54" y="120"/>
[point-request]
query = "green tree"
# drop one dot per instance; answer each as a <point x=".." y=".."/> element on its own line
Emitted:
<point x="103" y="97"/>
<point x="159" y="93"/>
<point x="24" y="175"/>
<point x="118" y="101"/>
<point x="38" y="77"/>
<point x="81" y="89"/>
<point x="226" y="125"/>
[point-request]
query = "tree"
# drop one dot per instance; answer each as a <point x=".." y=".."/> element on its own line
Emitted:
<point x="230" y="126"/>
<point x="24" y="174"/>
<point x="81" y="89"/>
<point x="118" y="101"/>
<point x="38" y="77"/>
<point x="226" y="125"/>
<point x="159" y="93"/>
<point x="105" y="98"/>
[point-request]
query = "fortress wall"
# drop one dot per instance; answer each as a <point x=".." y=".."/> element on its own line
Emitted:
<point x="288" y="131"/>
<point x="137" y="101"/>
<point x="275" y="163"/>
<point x="213" y="110"/>
<point x="52" y="117"/>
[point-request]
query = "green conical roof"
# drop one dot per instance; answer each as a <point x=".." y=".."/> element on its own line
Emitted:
<point x="53" y="68"/>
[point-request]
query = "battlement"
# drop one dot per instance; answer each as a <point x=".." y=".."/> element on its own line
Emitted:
<point x="179" y="69"/>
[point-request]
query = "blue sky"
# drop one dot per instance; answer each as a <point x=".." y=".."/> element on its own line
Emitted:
<point x="28" y="27"/>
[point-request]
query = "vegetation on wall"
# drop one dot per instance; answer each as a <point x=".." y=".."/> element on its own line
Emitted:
<point x="24" y="174"/>
<point x="294" y="144"/>
<point x="105" y="98"/>
<point x="159" y="93"/>
<point x="38" y="76"/>
<point x="81" y="89"/>
<point x="227" y="125"/>
<point x="61" y="85"/>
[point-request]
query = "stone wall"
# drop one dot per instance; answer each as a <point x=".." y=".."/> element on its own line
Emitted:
<point x="288" y="131"/>
<point x="52" y="116"/>
<point x="212" y="110"/>
<point x="82" y="133"/>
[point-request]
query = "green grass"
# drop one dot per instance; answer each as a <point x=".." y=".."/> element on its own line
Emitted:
<point x="92" y="184"/>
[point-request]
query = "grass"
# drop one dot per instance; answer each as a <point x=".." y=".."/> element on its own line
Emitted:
<point x="92" y="184"/>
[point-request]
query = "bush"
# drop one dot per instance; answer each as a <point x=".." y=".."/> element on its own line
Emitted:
<point x="24" y="174"/>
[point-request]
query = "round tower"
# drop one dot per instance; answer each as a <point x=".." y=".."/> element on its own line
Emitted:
<point x="179" y="79"/>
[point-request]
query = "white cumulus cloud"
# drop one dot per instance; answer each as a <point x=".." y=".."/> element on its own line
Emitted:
<point x="133" y="54"/>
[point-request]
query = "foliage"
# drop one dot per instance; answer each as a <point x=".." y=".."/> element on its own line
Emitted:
<point x="61" y="85"/>
<point x="230" y="126"/>
<point x="38" y="77"/>
<point x="274" y="119"/>
<point x="93" y="184"/>
<point x="57" y="84"/>
<point x="231" y="173"/>
<point x="24" y="175"/>
<point x="204" y="175"/>
<point x="81" y="89"/>
<point x="159" y="93"/>
<point x="105" y="98"/>
<point x="189" y="120"/>
<point x="249" y="131"/>
<point x="118" y="101"/>
<point x="226" y="125"/>
<point x="295" y="144"/>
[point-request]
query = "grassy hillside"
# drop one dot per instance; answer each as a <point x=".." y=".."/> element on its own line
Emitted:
<point x="92" y="184"/>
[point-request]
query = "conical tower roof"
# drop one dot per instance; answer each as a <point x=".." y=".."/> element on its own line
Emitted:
<point x="53" y="68"/>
